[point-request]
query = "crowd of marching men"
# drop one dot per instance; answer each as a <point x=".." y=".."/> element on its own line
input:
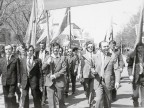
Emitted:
<point x="49" y="74"/>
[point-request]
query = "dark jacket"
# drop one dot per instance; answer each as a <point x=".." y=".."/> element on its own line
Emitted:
<point x="72" y="64"/>
<point x="35" y="74"/>
<point x="37" y="54"/>
<point x="10" y="71"/>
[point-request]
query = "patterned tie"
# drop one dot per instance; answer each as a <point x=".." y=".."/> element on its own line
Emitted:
<point x="29" y="64"/>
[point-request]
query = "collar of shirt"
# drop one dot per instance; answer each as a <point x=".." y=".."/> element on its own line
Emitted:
<point x="8" y="56"/>
<point x="31" y="59"/>
<point x="55" y="56"/>
<point x="89" y="54"/>
<point x="42" y="51"/>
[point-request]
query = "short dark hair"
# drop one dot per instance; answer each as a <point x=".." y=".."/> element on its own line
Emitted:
<point x="8" y="45"/>
<point x="31" y="46"/>
<point x="113" y="42"/>
<point x="44" y="43"/>
<point x="75" y="49"/>
<point x="88" y="42"/>
<point x="56" y="44"/>
<point x="139" y="44"/>
<point x="100" y="44"/>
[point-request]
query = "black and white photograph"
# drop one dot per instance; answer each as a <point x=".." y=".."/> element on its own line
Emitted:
<point x="71" y="54"/>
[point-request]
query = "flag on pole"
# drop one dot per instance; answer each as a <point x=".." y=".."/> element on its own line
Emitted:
<point x="37" y="14"/>
<point x="140" y="29"/>
<point x="31" y="30"/>
<point x="105" y="38"/>
<point x="76" y="32"/>
<point x="63" y="25"/>
<point x="111" y="32"/>
<point x="139" y="38"/>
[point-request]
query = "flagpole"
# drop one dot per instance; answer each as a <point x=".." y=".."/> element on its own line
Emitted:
<point x="48" y="39"/>
<point x="121" y="45"/>
<point x="70" y="25"/>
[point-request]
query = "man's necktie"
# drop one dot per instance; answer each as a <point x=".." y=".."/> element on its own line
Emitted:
<point x="8" y="59"/>
<point x="29" y="64"/>
<point x="102" y="66"/>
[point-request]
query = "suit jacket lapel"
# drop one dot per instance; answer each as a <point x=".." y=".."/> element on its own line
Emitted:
<point x="107" y="60"/>
<point x="86" y="56"/>
<point x="33" y="64"/>
<point x="25" y="64"/>
<point x="10" y="61"/>
<point x="56" y="65"/>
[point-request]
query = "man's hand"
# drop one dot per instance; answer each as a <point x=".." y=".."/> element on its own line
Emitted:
<point x="41" y="89"/>
<point x="93" y="71"/>
<point x="78" y="76"/>
<point x="117" y="85"/>
<point x="52" y="77"/>
<point x="75" y="72"/>
<point x="49" y="60"/>
<point x="19" y="85"/>
<point x="131" y="78"/>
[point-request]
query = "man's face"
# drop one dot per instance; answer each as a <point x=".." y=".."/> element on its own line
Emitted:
<point x="105" y="47"/>
<point x="60" y="51"/>
<point x="23" y="51"/>
<point x="30" y="52"/>
<point x="42" y="46"/>
<point x="140" y="49"/>
<point x="56" y="50"/>
<point x="8" y="50"/>
<point x="112" y="46"/>
<point x="90" y="48"/>
<point x="69" y="52"/>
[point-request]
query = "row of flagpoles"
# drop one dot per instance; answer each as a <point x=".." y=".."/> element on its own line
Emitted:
<point x="40" y="17"/>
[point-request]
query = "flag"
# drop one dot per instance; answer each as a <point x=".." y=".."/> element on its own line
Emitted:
<point x="76" y="32"/>
<point x="105" y="38"/>
<point x="36" y="18"/>
<point x="31" y="30"/>
<point x="139" y="38"/>
<point x="111" y="31"/>
<point x="63" y="25"/>
<point x="140" y="29"/>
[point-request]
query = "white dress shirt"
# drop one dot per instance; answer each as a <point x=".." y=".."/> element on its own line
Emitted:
<point x="42" y="55"/>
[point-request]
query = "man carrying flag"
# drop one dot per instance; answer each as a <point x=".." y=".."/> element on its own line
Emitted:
<point x="136" y="67"/>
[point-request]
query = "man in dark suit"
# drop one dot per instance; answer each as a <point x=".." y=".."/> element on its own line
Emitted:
<point x="55" y="78"/>
<point x="15" y="53"/>
<point x="31" y="77"/>
<point x="9" y="67"/>
<point x="72" y="67"/>
<point x="135" y="62"/>
<point x="42" y="54"/>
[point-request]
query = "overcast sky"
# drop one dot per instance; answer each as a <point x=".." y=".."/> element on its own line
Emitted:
<point x="96" y="18"/>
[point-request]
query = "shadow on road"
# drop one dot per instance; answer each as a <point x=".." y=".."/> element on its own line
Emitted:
<point x="72" y="100"/>
<point x="121" y="106"/>
<point x="121" y="96"/>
